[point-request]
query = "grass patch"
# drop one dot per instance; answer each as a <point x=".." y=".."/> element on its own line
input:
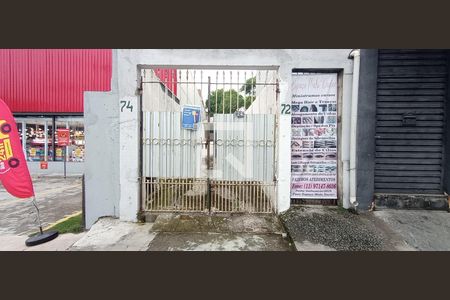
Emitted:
<point x="71" y="225"/>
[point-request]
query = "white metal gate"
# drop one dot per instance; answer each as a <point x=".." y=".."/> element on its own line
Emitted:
<point x="226" y="164"/>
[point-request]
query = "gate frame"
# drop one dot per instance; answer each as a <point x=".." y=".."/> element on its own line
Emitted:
<point x="139" y="92"/>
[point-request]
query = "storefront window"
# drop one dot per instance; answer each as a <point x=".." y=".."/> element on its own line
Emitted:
<point x="19" y="129"/>
<point x="49" y="140"/>
<point x="35" y="139"/>
<point x="60" y="123"/>
<point x="75" y="150"/>
<point x="42" y="139"/>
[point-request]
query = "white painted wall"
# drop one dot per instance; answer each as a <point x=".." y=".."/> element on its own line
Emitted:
<point x="284" y="60"/>
<point x="101" y="166"/>
<point x="101" y="157"/>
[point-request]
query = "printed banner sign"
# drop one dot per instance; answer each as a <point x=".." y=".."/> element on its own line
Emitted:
<point x="63" y="137"/>
<point x="314" y="136"/>
<point x="190" y="117"/>
<point x="14" y="173"/>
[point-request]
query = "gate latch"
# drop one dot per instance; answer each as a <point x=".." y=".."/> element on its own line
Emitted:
<point x="409" y="119"/>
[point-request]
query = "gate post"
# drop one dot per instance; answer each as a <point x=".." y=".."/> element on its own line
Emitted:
<point x="129" y="158"/>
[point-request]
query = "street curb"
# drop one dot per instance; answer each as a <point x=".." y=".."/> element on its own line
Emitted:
<point x="288" y="235"/>
<point x="62" y="220"/>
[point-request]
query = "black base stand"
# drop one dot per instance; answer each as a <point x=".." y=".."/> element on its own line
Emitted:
<point x="41" y="238"/>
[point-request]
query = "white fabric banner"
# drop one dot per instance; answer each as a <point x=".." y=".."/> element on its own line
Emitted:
<point x="314" y="136"/>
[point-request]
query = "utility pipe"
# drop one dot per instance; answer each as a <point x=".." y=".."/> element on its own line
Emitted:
<point x="356" y="55"/>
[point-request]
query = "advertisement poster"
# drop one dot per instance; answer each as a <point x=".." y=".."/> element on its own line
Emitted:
<point x="63" y="136"/>
<point x="190" y="116"/>
<point x="314" y="136"/>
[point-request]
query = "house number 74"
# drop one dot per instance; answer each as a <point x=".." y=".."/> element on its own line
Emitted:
<point x="127" y="105"/>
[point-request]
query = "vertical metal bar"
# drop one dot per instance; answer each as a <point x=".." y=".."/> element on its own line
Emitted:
<point x="53" y="137"/>
<point x="237" y="92"/>
<point x="275" y="135"/>
<point x="260" y="100"/>
<point x="252" y="91"/>
<point x="46" y="140"/>
<point x="208" y="145"/>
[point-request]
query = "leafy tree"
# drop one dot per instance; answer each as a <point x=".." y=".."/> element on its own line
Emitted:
<point x="228" y="101"/>
<point x="249" y="87"/>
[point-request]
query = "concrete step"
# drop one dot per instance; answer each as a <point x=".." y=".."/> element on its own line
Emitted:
<point x="412" y="201"/>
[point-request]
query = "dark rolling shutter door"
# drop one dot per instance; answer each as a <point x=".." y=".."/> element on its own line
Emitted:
<point x="411" y="96"/>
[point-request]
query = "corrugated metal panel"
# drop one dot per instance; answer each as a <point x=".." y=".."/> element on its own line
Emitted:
<point x="244" y="147"/>
<point x="170" y="151"/>
<point x="52" y="80"/>
<point x="411" y="98"/>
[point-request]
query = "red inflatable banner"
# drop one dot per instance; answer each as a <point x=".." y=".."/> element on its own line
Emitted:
<point x="14" y="173"/>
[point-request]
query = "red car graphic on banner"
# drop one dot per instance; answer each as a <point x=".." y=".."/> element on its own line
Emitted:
<point x="7" y="161"/>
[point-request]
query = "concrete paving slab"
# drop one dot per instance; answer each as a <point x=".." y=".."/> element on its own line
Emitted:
<point x="184" y="232"/>
<point x="62" y="243"/>
<point x="11" y="242"/>
<point x="186" y="241"/>
<point x="421" y="229"/>
<point x="239" y="223"/>
<point x="308" y="246"/>
<point x="109" y="234"/>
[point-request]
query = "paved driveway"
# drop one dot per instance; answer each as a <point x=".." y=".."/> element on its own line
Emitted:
<point x="182" y="232"/>
<point x="56" y="197"/>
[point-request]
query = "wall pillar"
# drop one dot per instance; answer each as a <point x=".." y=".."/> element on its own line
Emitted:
<point x="366" y="123"/>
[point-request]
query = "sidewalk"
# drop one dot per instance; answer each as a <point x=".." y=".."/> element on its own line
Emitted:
<point x="11" y="242"/>
<point x="423" y="230"/>
<point x="181" y="232"/>
<point x="330" y="228"/>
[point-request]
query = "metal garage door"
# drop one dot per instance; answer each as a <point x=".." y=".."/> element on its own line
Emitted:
<point x="411" y="96"/>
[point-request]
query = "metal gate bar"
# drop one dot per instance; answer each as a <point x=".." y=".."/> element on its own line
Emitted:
<point x="233" y="170"/>
<point x="187" y="195"/>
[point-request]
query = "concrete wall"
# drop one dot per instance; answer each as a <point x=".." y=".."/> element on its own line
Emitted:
<point x="102" y="156"/>
<point x="285" y="60"/>
<point x="365" y="152"/>
<point x="56" y="168"/>
<point x="101" y="116"/>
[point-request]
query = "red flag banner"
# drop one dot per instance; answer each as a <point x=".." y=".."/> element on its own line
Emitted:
<point x="14" y="173"/>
